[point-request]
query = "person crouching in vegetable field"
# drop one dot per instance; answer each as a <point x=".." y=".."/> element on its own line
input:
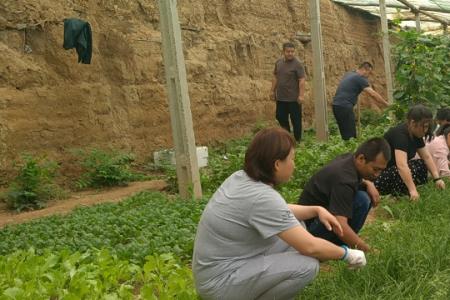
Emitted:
<point x="404" y="173"/>
<point x="345" y="188"/>
<point x="439" y="149"/>
<point x="250" y="243"/>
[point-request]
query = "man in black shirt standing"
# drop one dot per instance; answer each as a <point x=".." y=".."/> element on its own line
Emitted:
<point x="351" y="85"/>
<point x="288" y="90"/>
<point x="345" y="188"/>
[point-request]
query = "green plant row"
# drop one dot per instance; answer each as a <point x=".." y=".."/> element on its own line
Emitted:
<point x="144" y="224"/>
<point x="92" y="275"/>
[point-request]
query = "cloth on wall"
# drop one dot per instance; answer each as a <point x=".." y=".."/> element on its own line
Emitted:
<point x="78" y="35"/>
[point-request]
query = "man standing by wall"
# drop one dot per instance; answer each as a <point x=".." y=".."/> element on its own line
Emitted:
<point x="351" y="85"/>
<point x="288" y="90"/>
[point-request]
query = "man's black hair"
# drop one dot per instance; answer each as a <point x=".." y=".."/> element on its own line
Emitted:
<point x="288" y="45"/>
<point x="372" y="147"/>
<point x="365" y="65"/>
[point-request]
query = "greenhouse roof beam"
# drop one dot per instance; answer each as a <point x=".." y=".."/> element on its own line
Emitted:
<point x="423" y="8"/>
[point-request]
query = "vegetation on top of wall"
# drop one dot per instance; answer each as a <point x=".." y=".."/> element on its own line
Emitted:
<point x="422" y="71"/>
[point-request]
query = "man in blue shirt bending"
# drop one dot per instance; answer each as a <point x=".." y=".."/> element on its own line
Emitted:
<point x="351" y="85"/>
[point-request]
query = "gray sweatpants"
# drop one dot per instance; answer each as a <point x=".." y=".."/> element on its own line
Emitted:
<point x="279" y="274"/>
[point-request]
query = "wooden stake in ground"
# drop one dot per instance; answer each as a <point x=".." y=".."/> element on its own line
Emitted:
<point x="179" y="103"/>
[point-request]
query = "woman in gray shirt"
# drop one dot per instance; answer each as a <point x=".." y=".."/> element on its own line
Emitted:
<point x="250" y="243"/>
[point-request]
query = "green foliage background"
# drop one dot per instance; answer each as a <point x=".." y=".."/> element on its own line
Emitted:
<point x="422" y="64"/>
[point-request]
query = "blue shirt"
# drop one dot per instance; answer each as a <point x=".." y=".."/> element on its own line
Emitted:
<point x="351" y="85"/>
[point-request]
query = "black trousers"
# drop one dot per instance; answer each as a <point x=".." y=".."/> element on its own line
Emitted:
<point x="292" y="110"/>
<point x="345" y="118"/>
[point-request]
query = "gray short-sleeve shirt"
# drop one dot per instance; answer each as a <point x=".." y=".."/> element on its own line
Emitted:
<point x="288" y="74"/>
<point x="241" y="221"/>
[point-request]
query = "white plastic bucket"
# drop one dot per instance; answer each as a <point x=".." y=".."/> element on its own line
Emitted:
<point x="164" y="157"/>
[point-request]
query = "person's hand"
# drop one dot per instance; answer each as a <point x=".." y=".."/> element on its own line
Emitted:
<point x="355" y="258"/>
<point x="440" y="184"/>
<point x="329" y="221"/>
<point x="272" y="95"/>
<point x="414" y="195"/>
<point x="300" y="99"/>
<point x="373" y="193"/>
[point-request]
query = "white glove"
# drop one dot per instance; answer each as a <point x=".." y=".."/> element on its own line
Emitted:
<point x="355" y="258"/>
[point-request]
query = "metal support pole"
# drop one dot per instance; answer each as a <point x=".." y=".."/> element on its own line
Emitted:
<point x="386" y="51"/>
<point x="179" y="104"/>
<point x="320" y="101"/>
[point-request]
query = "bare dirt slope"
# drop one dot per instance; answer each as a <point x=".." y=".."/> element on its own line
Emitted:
<point x="50" y="104"/>
<point x="87" y="198"/>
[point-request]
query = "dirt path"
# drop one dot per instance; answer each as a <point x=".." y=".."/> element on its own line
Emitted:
<point x="86" y="198"/>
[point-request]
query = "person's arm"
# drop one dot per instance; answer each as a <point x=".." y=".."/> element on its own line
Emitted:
<point x="307" y="244"/>
<point x="401" y="159"/>
<point x="350" y="237"/>
<point x="372" y="191"/>
<point x="272" y="89"/>
<point x="376" y="96"/>
<point x="304" y="212"/>
<point x="301" y="89"/>
<point x="425" y="155"/>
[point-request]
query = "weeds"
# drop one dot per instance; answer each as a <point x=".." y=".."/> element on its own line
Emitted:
<point x="34" y="185"/>
<point x="105" y="168"/>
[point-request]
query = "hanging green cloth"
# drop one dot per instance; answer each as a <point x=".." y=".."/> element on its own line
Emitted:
<point x="78" y="35"/>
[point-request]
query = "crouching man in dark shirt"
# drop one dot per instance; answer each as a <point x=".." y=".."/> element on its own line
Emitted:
<point x="345" y="188"/>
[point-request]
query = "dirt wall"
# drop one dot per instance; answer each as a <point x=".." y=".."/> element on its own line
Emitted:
<point x="50" y="104"/>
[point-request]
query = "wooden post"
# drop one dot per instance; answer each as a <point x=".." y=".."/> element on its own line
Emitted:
<point x="320" y="101"/>
<point x="386" y="51"/>
<point x="417" y="15"/>
<point x="179" y="104"/>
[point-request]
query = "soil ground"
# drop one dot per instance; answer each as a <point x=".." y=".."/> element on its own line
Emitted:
<point x="85" y="198"/>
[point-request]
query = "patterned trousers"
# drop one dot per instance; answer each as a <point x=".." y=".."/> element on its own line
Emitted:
<point x="390" y="182"/>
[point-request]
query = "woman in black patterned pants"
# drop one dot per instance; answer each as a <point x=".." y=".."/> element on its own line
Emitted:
<point x="404" y="173"/>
